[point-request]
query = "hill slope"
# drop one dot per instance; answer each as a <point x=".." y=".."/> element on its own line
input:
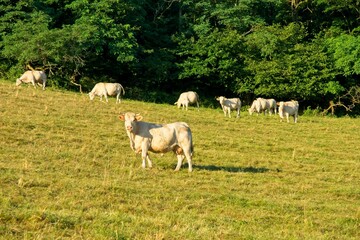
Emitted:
<point x="67" y="171"/>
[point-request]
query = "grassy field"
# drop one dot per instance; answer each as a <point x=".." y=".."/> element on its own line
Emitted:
<point x="67" y="172"/>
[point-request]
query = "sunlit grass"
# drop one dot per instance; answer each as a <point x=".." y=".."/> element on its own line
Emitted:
<point x="67" y="172"/>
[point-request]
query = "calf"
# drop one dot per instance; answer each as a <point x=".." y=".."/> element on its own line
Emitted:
<point x="158" y="138"/>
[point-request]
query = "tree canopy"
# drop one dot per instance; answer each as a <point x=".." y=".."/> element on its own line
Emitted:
<point x="286" y="49"/>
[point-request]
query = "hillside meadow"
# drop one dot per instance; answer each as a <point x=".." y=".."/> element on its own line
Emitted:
<point x="67" y="172"/>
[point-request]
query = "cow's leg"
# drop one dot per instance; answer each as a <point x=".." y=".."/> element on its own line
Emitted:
<point x="197" y="103"/>
<point x="295" y="118"/>
<point x="106" y="98"/>
<point x="143" y="158"/>
<point x="287" y="117"/>
<point x="149" y="161"/>
<point x="238" y="113"/>
<point x="229" y="112"/>
<point x="118" y="98"/>
<point x="180" y="158"/>
<point x="144" y="153"/>
<point x="188" y="158"/>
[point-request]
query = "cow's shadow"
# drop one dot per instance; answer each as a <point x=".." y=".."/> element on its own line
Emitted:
<point x="231" y="169"/>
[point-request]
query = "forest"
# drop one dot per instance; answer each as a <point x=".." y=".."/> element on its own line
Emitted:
<point x="306" y="50"/>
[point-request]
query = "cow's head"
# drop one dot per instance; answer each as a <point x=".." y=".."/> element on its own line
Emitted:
<point x="221" y="99"/>
<point x="18" y="82"/>
<point x="130" y="119"/>
<point x="91" y="95"/>
<point x="251" y="110"/>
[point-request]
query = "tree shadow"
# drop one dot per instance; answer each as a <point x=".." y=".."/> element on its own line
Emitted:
<point x="232" y="169"/>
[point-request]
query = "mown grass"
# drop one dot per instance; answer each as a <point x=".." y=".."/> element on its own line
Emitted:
<point x="67" y="172"/>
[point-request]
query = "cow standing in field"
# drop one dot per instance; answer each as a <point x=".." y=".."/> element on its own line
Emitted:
<point x="228" y="104"/>
<point x="260" y="105"/>
<point x="272" y="106"/>
<point x="158" y="138"/>
<point x="107" y="89"/>
<point x="287" y="109"/>
<point x="33" y="77"/>
<point x="187" y="98"/>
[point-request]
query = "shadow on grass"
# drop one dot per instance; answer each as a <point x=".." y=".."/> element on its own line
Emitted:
<point x="232" y="169"/>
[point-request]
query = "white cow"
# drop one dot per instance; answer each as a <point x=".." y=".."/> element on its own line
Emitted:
<point x="187" y="98"/>
<point x="272" y="106"/>
<point x="107" y="89"/>
<point x="260" y="105"/>
<point x="228" y="104"/>
<point x="289" y="108"/>
<point x="33" y="77"/>
<point x="158" y="138"/>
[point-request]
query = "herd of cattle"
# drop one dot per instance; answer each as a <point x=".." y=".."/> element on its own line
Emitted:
<point x="177" y="136"/>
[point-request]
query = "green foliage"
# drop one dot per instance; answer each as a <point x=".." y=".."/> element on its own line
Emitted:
<point x="345" y="49"/>
<point x="288" y="66"/>
<point x="284" y="49"/>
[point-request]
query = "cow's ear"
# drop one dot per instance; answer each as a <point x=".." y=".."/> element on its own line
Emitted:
<point x="138" y="117"/>
<point x="122" y="116"/>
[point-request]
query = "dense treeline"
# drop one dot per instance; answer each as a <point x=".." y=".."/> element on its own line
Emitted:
<point x="287" y="49"/>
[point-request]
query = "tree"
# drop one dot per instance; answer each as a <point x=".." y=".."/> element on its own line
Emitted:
<point x="288" y="66"/>
<point x="91" y="45"/>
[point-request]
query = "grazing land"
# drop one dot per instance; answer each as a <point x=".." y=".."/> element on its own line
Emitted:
<point x="67" y="172"/>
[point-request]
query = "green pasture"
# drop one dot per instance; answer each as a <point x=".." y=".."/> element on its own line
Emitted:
<point x="67" y="172"/>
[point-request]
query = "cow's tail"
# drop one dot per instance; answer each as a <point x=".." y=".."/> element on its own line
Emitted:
<point x="122" y="89"/>
<point x="191" y="144"/>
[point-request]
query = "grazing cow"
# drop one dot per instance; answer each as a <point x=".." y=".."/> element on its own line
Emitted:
<point x="33" y="77"/>
<point x="259" y="105"/>
<point x="252" y="107"/>
<point x="228" y="104"/>
<point x="289" y="108"/>
<point x="107" y="89"/>
<point x="158" y="138"/>
<point x="187" y="98"/>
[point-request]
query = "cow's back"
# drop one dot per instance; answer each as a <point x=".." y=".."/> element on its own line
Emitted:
<point x="27" y="77"/>
<point x="233" y="103"/>
<point x="39" y="76"/>
<point x="98" y="87"/>
<point x="193" y="97"/>
<point x="272" y="103"/>
<point x="262" y="104"/>
<point x="290" y="107"/>
<point x="164" y="138"/>
<point x="183" y="98"/>
<point x="112" y="88"/>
